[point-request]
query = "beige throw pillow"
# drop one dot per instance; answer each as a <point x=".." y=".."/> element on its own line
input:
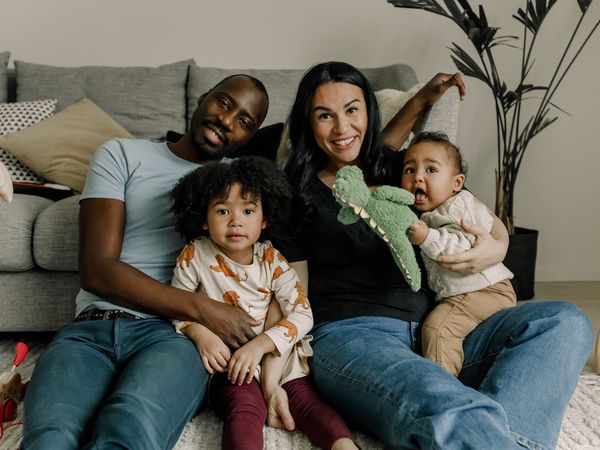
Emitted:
<point x="390" y="101"/>
<point x="59" y="148"/>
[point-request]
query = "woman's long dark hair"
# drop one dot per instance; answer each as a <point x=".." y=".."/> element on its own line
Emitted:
<point x="306" y="159"/>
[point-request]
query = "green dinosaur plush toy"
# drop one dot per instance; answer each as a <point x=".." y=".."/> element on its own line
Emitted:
<point x="386" y="211"/>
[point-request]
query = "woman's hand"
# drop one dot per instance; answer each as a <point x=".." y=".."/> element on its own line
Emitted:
<point x="278" y="410"/>
<point x="487" y="250"/>
<point x="398" y="128"/>
<point x="437" y="86"/>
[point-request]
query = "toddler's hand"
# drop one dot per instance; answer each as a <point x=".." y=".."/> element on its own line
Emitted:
<point x="244" y="361"/>
<point x="214" y="353"/>
<point x="417" y="232"/>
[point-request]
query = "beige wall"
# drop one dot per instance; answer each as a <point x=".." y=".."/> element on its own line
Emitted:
<point x="557" y="191"/>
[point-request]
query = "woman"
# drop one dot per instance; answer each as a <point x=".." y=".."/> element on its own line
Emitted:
<point x="367" y="360"/>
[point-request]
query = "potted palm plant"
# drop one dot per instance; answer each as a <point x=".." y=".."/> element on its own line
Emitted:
<point x="515" y="125"/>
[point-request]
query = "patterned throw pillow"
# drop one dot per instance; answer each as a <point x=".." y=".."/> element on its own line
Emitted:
<point x="14" y="117"/>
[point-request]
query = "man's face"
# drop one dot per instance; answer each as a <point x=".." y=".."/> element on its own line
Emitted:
<point x="226" y="117"/>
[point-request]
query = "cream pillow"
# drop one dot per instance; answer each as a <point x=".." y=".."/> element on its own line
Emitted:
<point x="389" y="101"/>
<point x="59" y="148"/>
<point x="6" y="187"/>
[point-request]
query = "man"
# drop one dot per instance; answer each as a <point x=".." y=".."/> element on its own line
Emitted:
<point x="119" y="376"/>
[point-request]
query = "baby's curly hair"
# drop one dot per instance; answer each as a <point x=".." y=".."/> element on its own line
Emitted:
<point x="259" y="178"/>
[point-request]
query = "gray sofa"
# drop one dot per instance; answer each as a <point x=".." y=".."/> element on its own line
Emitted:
<point x="39" y="237"/>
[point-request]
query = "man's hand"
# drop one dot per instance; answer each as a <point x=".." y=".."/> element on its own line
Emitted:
<point x="233" y="325"/>
<point x="278" y="410"/>
<point x="417" y="232"/>
<point x="486" y="252"/>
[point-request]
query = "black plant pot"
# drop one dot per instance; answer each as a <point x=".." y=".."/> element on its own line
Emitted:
<point x="520" y="259"/>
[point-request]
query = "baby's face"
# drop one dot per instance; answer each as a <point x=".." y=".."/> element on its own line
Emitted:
<point x="429" y="173"/>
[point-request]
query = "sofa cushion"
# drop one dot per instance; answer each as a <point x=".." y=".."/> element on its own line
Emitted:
<point x="17" y="221"/>
<point x="59" y="148"/>
<point x="147" y="101"/>
<point x="56" y="236"/>
<point x="4" y="56"/>
<point x="14" y="117"/>
<point x="442" y="116"/>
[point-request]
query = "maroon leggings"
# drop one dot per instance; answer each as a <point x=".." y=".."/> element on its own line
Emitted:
<point x="244" y="412"/>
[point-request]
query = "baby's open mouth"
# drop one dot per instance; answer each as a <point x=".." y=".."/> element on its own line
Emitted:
<point x="420" y="195"/>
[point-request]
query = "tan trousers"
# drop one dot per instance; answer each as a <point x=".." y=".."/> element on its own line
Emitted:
<point x="455" y="317"/>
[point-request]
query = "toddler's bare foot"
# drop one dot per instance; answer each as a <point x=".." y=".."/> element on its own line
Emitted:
<point x="344" y="444"/>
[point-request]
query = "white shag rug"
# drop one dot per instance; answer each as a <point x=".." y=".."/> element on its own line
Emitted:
<point x="580" y="428"/>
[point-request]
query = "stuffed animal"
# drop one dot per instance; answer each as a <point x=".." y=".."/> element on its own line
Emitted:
<point x="386" y="211"/>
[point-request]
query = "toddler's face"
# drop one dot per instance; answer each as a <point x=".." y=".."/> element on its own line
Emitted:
<point x="429" y="173"/>
<point x="234" y="224"/>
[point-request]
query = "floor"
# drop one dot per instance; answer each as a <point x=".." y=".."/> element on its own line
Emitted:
<point x="585" y="295"/>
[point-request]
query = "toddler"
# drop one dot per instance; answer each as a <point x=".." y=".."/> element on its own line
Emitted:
<point x="221" y="210"/>
<point x="434" y="172"/>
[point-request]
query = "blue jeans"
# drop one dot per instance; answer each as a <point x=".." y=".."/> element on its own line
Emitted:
<point x="521" y="367"/>
<point x="113" y="384"/>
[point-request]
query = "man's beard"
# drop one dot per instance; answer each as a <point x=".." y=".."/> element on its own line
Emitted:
<point x="207" y="153"/>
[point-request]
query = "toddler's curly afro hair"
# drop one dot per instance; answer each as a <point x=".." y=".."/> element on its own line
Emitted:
<point x="259" y="178"/>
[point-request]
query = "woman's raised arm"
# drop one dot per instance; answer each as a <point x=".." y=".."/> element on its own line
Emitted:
<point x="398" y="128"/>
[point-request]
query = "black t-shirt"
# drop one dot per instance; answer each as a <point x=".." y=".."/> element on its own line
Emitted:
<point x="351" y="270"/>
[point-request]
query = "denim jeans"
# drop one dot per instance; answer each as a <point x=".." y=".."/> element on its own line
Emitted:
<point x="113" y="384"/>
<point x="521" y="367"/>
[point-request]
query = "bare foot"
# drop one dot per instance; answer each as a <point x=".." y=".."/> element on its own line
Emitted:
<point x="344" y="444"/>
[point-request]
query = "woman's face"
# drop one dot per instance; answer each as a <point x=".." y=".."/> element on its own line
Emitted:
<point x="338" y="117"/>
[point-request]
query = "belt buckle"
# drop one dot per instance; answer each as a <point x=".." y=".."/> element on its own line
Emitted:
<point x="108" y="314"/>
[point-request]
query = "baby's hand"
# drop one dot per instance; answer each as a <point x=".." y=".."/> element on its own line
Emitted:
<point x="417" y="232"/>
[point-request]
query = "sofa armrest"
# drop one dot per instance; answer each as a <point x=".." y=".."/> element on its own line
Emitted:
<point x="56" y="236"/>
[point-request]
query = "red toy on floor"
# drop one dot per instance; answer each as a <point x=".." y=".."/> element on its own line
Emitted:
<point x="12" y="389"/>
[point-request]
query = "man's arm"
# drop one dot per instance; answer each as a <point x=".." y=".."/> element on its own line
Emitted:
<point x="101" y="229"/>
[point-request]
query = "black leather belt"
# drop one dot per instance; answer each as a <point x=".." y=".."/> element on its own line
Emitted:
<point x="105" y="314"/>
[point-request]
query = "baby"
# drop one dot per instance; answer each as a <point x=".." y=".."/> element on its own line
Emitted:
<point x="433" y="170"/>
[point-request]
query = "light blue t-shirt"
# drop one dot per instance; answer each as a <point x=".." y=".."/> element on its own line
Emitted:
<point x="140" y="173"/>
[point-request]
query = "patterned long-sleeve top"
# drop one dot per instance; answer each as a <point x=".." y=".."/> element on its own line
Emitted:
<point x="202" y="267"/>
